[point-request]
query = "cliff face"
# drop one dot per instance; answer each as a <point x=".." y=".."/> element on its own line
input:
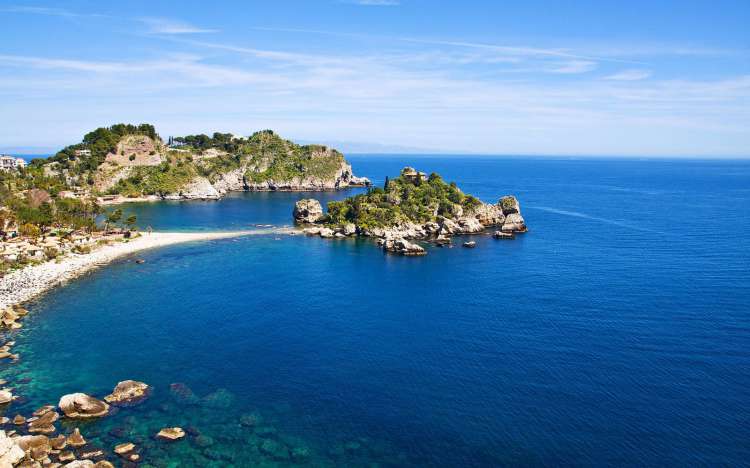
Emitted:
<point x="238" y="180"/>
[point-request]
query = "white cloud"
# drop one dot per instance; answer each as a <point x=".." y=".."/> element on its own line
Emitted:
<point x="171" y="26"/>
<point x="575" y="67"/>
<point x="32" y="10"/>
<point x="629" y="75"/>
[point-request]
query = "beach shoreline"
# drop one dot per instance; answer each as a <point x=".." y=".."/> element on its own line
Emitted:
<point x="23" y="285"/>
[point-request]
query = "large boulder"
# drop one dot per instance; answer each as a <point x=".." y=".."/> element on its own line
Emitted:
<point x="470" y="225"/>
<point x="80" y="405"/>
<point x="5" y="396"/>
<point x="307" y="211"/>
<point x="402" y="246"/>
<point x="128" y="392"/>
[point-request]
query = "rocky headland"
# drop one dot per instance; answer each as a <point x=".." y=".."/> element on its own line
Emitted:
<point x="132" y="163"/>
<point x="412" y="207"/>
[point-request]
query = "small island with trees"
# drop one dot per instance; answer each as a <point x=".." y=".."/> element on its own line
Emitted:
<point x="413" y="206"/>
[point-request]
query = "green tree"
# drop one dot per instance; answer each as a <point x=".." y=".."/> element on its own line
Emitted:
<point x="113" y="217"/>
<point x="130" y="221"/>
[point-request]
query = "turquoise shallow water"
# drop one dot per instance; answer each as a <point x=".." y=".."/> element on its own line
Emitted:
<point x="614" y="333"/>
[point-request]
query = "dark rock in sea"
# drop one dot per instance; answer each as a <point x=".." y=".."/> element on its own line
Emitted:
<point x="183" y="394"/>
<point x="251" y="419"/>
<point x="140" y="261"/>
<point x="204" y="441"/>
<point x="220" y="399"/>
<point x="266" y="431"/>
<point x="117" y="432"/>
<point x="300" y="454"/>
<point x="275" y="449"/>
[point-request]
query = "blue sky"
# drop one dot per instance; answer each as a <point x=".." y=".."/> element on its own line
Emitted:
<point x="651" y="78"/>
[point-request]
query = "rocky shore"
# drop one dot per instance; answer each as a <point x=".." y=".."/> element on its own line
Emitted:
<point x="25" y="284"/>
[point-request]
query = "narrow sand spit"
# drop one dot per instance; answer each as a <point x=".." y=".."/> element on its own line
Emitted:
<point x="23" y="285"/>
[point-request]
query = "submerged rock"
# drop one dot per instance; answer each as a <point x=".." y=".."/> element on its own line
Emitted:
<point x="128" y="392"/>
<point x="251" y="420"/>
<point x="80" y="405"/>
<point x="183" y="394"/>
<point x="275" y="449"/>
<point x="307" y="211"/>
<point x="221" y="398"/>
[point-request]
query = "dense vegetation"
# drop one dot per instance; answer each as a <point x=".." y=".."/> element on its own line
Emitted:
<point x="264" y="155"/>
<point x="408" y="198"/>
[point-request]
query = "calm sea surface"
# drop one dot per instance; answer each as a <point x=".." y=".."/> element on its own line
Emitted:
<point x="616" y="332"/>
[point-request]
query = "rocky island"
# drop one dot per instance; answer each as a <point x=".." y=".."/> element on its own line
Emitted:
<point x="132" y="163"/>
<point x="413" y="206"/>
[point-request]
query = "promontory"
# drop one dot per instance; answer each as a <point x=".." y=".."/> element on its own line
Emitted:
<point x="131" y="162"/>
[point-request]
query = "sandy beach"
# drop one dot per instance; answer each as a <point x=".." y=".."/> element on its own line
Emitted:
<point x="23" y="285"/>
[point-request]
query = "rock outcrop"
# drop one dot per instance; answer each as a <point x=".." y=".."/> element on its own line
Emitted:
<point x="401" y="246"/>
<point x="307" y="211"/>
<point x="80" y="405"/>
<point x="128" y="392"/>
<point x="171" y="433"/>
<point x="10" y="453"/>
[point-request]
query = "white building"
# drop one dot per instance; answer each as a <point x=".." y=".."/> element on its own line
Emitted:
<point x="9" y="163"/>
<point x="83" y="152"/>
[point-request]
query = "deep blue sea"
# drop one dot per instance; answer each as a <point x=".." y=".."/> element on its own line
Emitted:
<point x="616" y="332"/>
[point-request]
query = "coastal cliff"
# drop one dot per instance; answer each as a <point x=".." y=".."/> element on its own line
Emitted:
<point x="411" y="207"/>
<point x="127" y="162"/>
